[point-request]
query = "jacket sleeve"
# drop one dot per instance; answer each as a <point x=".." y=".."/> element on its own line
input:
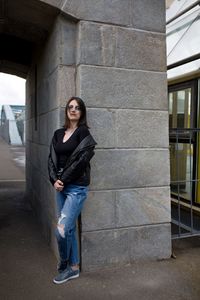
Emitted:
<point x="51" y="168"/>
<point x="78" y="166"/>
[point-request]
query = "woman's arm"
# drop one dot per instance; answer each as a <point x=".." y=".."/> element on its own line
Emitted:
<point x="78" y="166"/>
<point x="52" y="170"/>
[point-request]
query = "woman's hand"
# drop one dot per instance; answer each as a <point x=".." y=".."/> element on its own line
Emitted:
<point x="59" y="186"/>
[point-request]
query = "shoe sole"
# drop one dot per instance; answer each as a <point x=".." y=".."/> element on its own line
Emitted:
<point x="65" y="280"/>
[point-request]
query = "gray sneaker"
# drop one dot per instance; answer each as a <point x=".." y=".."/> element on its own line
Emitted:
<point x="66" y="275"/>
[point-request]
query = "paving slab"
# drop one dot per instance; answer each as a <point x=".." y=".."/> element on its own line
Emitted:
<point x="12" y="162"/>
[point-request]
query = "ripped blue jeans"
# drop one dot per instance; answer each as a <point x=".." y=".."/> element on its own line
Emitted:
<point x="69" y="204"/>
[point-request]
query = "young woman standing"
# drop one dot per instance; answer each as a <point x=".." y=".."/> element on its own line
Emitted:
<point x="71" y="150"/>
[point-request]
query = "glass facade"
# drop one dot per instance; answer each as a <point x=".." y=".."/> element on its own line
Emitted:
<point x="183" y="38"/>
<point x="183" y="42"/>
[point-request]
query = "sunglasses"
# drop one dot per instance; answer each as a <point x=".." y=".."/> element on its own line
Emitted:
<point x="71" y="107"/>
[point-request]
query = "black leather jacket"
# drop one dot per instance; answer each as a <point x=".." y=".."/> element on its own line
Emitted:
<point x="77" y="169"/>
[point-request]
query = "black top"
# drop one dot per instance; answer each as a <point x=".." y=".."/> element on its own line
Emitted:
<point x="65" y="149"/>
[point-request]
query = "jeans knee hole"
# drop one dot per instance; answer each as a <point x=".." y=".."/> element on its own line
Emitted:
<point x="61" y="230"/>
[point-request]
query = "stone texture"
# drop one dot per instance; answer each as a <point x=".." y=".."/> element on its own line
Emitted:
<point x="112" y="169"/>
<point x="140" y="50"/>
<point x="65" y="84"/>
<point x="121" y="47"/>
<point x="129" y="128"/>
<point x="59" y="48"/>
<point x="117" y="247"/>
<point x="96" y="44"/>
<point x="43" y="129"/>
<point x="150" y="242"/>
<point x="112" y="11"/>
<point x="148" y="16"/>
<point x="120" y="88"/>
<point x="43" y="158"/>
<point x="104" y="248"/>
<point x="140" y="129"/>
<point x="56" y="89"/>
<point x="68" y="41"/>
<point x="142" y="206"/>
<point x="99" y="121"/>
<point x="99" y="211"/>
<point x="126" y="208"/>
<point x="53" y="123"/>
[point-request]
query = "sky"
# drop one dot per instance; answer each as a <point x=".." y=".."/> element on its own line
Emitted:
<point x="12" y="89"/>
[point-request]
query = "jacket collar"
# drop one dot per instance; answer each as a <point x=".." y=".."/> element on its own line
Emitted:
<point x="87" y="142"/>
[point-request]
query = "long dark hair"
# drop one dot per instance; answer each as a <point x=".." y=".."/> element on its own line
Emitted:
<point x="83" y="117"/>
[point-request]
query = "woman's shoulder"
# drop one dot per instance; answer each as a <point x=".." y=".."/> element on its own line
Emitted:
<point x="83" y="131"/>
<point x="59" y="132"/>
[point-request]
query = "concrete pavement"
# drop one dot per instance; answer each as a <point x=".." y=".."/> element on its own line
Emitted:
<point x="27" y="264"/>
<point x="12" y="162"/>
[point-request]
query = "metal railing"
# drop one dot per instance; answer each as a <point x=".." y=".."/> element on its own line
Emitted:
<point x="185" y="182"/>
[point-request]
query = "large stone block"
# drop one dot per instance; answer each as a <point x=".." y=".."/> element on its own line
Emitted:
<point x="113" y="169"/>
<point x="143" y="206"/>
<point x="53" y="123"/>
<point x="101" y="120"/>
<point x="112" y="11"/>
<point x="43" y="95"/>
<point x="43" y="159"/>
<point x="99" y="211"/>
<point x="150" y="242"/>
<point x="96" y="44"/>
<point x="110" y="247"/>
<point x="120" y="88"/>
<point x="129" y="128"/>
<point x="43" y="129"/>
<point x="104" y="248"/>
<point x="56" y="89"/>
<point x="59" y="48"/>
<point x="149" y="15"/>
<point x="48" y="199"/>
<point x="139" y="128"/>
<point x="140" y="50"/>
<point x="65" y="86"/>
<point x="48" y="56"/>
<point x="121" y="47"/>
<point x="68" y="36"/>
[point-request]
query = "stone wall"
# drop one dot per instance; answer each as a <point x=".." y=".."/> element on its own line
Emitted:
<point x="121" y="74"/>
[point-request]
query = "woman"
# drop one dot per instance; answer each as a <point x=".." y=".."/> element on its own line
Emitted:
<point x="71" y="149"/>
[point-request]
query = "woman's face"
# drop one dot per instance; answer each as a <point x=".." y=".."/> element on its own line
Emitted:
<point x="73" y="111"/>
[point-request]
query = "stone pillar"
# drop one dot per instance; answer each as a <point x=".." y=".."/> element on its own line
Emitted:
<point x="121" y="74"/>
<point x="50" y="82"/>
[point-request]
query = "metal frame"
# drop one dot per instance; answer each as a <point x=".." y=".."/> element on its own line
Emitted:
<point x="186" y="214"/>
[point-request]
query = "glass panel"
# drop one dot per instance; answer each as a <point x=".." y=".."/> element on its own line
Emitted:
<point x="178" y="6"/>
<point x="170" y="109"/>
<point x="183" y="41"/>
<point x="176" y="30"/>
<point x="180" y="109"/>
<point x="188" y="44"/>
<point x="181" y="168"/>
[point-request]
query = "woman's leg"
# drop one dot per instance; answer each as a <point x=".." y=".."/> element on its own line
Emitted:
<point x="66" y="228"/>
<point x="74" y="253"/>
